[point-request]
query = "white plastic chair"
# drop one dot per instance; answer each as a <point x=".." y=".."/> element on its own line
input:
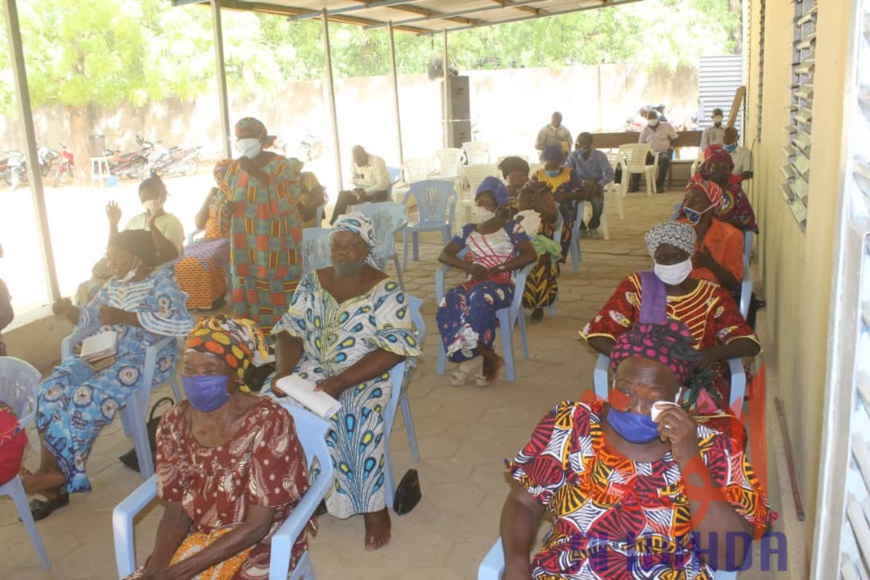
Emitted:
<point x="535" y="167"/>
<point x="448" y="162"/>
<point x="492" y="567"/>
<point x="436" y="208"/>
<point x="476" y="152"/>
<point x="507" y="318"/>
<point x="312" y="432"/>
<point x="413" y="170"/>
<point x="19" y="385"/>
<point x="634" y="155"/>
<point x="614" y="192"/>
<point x="474" y="175"/>
<point x="134" y="412"/>
<point x="388" y="219"/>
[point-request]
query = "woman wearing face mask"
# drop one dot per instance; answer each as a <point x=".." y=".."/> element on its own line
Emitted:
<point x="141" y="304"/>
<point x="637" y="488"/>
<point x="219" y="456"/>
<point x="734" y="208"/>
<point x="167" y="233"/>
<point x="466" y="315"/>
<point x="719" y="249"/>
<point x="263" y="194"/>
<point x="670" y="292"/>
<point x="566" y="190"/>
<point x="345" y="328"/>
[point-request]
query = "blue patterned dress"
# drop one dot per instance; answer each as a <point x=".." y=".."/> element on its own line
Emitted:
<point x="75" y="402"/>
<point x="336" y="336"/>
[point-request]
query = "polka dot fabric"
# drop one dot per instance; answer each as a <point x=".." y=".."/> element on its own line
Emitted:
<point x="670" y="344"/>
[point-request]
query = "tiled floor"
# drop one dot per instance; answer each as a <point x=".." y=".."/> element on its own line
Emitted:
<point x="464" y="435"/>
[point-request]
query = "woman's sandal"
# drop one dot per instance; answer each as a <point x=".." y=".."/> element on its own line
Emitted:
<point x="41" y="509"/>
<point x="481" y="381"/>
<point x="463" y="369"/>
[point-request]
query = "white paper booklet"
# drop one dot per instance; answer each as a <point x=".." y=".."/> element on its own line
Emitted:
<point x="303" y="391"/>
<point x="99" y="345"/>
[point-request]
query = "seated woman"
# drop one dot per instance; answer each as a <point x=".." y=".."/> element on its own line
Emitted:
<point x="142" y="305"/>
<point x="515" y="171"/>
<point x="632" y="496"/>
<point x="734" y="209"/>
<point x="345" y="328"/>
<point x="466" y="318"/>
<point x="565" y="189"/>
<point x="671" y="292"/>
<point x="719" y="247"/>
<point x="201" y="273"/>
<point x="167" y="233"/>
<point x="536" y="203"/>
<point x="219" y="455"/>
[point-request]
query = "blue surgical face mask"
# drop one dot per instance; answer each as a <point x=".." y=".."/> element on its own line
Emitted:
<point x="206" y="393"/>
<point x="730" y="148"/>
<point x="632" y="427"/>
<point x="553" y="173"/>
<point x="694" y="217"/>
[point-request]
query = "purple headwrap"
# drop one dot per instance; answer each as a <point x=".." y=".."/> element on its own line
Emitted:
<point x="496" y="187"/>
<point x="670" y="344"/>
<point x="552" y="153"/>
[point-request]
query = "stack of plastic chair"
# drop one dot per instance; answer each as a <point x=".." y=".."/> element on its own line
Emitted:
<point x="134" y="412"/>
<point x="388" y="219"/>
<point x="507" y="319"/>
<point x="448" y="162"/>
<point x="634" y="155"/>
<point x="19" y="384"/>
<point x="312" y="432"/>
<point x="315" y="249"/>
<point x="492" y="567"/>
<point x="473" y="175"/>
<point x="436" y="208"/>
<point x="476" y="152"/>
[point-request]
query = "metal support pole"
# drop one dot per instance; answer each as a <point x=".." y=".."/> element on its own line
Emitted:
<point x="445" y="71"/>
<point x="19" y="73"/>
<point x="332" y="109"/>
<point x="396" y="94"/>
<point x="217" y="29"/>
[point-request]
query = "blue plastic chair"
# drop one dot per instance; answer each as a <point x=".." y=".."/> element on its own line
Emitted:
<point x="507" y="318"/>
<point x="19" y="385"/>
<point x="436" y="205"/>
<point x="388" y="219"/>
<point x="557" y="237"/>
<point x="575" y="250"/>
<point x="315" y="249"/>
<point x="746" y="285"/>
<point x="492" y="567"/>
<point x="134" y="412"/>
<point x="601" y="381"/>
<point x="312" y="432"/>
<point x="395" y="175"/>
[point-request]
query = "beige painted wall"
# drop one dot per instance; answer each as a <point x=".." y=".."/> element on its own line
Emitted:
<point x="796" y="267"/>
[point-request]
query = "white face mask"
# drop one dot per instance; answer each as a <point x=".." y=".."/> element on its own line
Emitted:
<point x="717" y="120"/>
<point x="653" y="122"/>
<point x="249" y="148"/>
<point x="481" y="214"/>
<point x="131" y="273"/>
<point x="673" y="274"/>
<point x="151" y="205"/>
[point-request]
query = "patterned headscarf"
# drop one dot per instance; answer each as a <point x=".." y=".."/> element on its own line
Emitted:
<point x="254" y="127"/>
<point x="510" y="164"/>
<point x="715" y="155"/>
<point x="361" y="225"/>
<point x="712" y="191"/>
<point x="233" y="340"/>
<point x="552" y="153"/>
<point x="679" y="235"/>
<point x="670" y="344"/>
<point x="220" y="169"/>
<point x="496" y="187"/>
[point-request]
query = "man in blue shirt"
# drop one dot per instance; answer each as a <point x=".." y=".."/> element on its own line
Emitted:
<point x="593" y="170"/>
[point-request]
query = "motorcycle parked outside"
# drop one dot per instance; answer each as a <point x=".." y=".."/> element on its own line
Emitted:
<point x="132" y="165"/>
<point x="66" y="165"/>
<point x="47" y="157"/>
<point x="17" y="163"/>
<point x="166" y="161"/>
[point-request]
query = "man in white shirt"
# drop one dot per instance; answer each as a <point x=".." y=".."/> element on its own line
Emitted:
<point x="714" y="135"/>
<point x="554" y="134"/>
<point x="660" y="137"/>
<point x="370" y="178"/>
<point x="741" y="156"/>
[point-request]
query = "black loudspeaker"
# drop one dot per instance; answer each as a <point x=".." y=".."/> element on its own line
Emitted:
<point x="458" y="100"/>
<point x="458" y="132"/>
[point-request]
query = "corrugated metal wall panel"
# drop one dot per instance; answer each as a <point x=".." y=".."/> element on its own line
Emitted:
<point x="718" y="80"/>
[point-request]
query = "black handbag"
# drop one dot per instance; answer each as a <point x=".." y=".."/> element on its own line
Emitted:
<point x="129" y="459"/>
<point x="408" y="493"/>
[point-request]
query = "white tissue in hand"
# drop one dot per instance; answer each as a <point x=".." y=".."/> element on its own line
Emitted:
<point x="658" y="407"/>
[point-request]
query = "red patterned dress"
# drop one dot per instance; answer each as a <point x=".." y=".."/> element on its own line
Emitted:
<point x="616" y="518"/>
<point x="262" y="465"/>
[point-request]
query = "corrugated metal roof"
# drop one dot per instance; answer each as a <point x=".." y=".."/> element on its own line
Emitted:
<point x="418" y="16"/>
<point x="718" y="79"/>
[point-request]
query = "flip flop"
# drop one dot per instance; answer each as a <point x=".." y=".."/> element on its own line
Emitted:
<point x="463" y="369"/>
<point x="41" y="509"/>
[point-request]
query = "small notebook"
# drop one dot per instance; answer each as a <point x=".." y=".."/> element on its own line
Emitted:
<point x="99" y="346"/>
<point x="303" y="391"/>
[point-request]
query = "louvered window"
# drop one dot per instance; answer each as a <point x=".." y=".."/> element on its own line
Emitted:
<point x="796" y="170"/>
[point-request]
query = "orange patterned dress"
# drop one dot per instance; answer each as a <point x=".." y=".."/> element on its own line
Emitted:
<point x="615" y="518"/>
<point x="201" y="272"/>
